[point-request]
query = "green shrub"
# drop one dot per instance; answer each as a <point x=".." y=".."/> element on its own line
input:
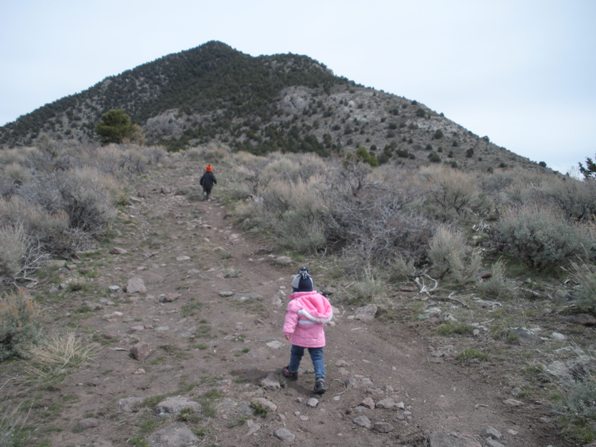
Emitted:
<point x="365" y="291"/>
<point x="14" y="247"/>
<point x="86" y="200"/>
<point x="451" y="258"/>
<point x="577" y="200"/>
<point x="471" y="355"/>
<point x="578" y="411"/>
<point x="293" y="211"/>
<point x="454" y="328"/>
<point x="584" y="294"/>
<point x="18" y="323"/>
<point x="49" y="230"/>
<point x="374" y="225"/>
<point x="451" y="194"/>
<point x="401" y="269"/>
<point x="116" y="126"/>
<point x="367" y="157"/>
<point x="497" y="286"/>
<point x="541" y="238"/>
<point x="433" y="157"/>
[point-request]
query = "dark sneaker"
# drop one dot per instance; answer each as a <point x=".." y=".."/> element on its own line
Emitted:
<point x="320" y="386"/>
<point x="288" y="374"/>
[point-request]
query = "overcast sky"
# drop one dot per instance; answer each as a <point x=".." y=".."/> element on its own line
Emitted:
<point x="522" y="72"/>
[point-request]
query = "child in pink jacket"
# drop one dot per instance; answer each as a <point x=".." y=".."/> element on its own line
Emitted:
<point x="306" y="314"/>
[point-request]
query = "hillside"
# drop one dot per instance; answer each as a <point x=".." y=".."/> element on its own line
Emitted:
<point x="191" y="354"/>
<point x="284" y="102"/>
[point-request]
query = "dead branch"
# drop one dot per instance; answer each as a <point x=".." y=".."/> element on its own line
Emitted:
<point x="450" y="298"/>
<point x="423" y="287"/>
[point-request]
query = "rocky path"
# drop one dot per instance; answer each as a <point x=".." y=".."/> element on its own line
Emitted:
<point x="189" y="351"/>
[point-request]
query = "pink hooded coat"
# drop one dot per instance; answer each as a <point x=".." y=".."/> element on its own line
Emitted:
<point x="306" y="314"/>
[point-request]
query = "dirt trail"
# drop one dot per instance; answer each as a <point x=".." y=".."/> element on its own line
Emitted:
<point x="215" y="349"/>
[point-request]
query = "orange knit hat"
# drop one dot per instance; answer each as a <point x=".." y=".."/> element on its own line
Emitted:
<point x="209" y="168"/>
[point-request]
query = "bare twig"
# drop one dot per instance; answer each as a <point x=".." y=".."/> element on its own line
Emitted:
<point x="450" y="298"/>
<point x="423" y="287"/>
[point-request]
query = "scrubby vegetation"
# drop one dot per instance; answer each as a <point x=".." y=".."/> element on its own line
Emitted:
<point x="491" y="236"/>
<point x="57" y="201"/>
<point x="505" y="239"/>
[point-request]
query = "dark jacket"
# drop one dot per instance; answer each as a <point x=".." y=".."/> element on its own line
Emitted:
<point x="207" y="181"/>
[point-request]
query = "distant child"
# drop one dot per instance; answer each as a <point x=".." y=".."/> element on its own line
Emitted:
<point x="306" y="314"/>
<point x="207" y="181"/>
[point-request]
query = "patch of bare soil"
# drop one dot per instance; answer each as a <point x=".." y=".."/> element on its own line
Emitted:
<point x="208" y="342"/>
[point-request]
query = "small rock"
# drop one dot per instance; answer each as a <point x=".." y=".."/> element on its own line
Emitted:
<point x="226" y="293"/>
<point x="168" y="297"/>
<point x="87" y="423"/>
<point x="137" y="328"/>
<point x="558" y="336"/>
<point x="118" y="251"/>
<point x="341" y="363"/>
<point x="175" y="404"/>
<point x="387" y="403"/>
<point x="492" y="432"/>
<point x="383" y="427"/>
<point x="362" y="421"/>
<point x="441" y="439"/>
<point x="252" y="428"/>
<point x="139" y="371"/>
<point x="368" y="403"/>
<point x="130" y="404"/>
<point x="136" y="285"/>
<point x="175" y="435"/>
<point x="513" y="402"/>
<point x="265" y="403"/>
<point x="270" y="383"/>
<point x="274" y="344"/>
<point x="433" y="311"/>
<point x="493" y="443"/>
<point x="182" y="258"/>
<point x="366" y="313"/>
<point x="114" y="288"/>
<point x="283" y="260"/>
<point x="582" y="319"/>
<point x="284" y="434"/>
<point x="140" y="351"/>
<point x="312" y="402"/>
<point x="113" y="316"/>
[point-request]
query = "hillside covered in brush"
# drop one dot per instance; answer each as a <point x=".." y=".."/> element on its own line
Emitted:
<point x="286" y="102"/>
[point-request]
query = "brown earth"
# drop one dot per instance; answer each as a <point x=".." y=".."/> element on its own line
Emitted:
<point x="213" y="348"/>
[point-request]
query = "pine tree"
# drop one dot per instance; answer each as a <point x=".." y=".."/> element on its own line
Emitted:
<point x="115" y="127"/>
<point x="589" y="171"/>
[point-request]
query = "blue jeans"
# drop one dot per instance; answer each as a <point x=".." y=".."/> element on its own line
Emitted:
<point x="316" y="355"/>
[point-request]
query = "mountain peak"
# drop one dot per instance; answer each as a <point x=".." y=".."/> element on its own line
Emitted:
<point x="281" y="102"/>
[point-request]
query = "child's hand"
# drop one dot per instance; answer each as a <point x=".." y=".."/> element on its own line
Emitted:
<point x="288" y="336"/>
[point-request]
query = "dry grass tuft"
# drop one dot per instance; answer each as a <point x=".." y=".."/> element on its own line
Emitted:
<point x="12" y="422"/>
<point x="18" y="323"/>
<point x="56" y="354"/>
